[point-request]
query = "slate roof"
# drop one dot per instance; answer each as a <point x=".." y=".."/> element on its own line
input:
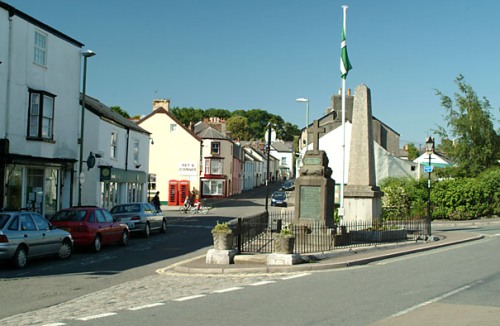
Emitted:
<point x="104" y="111"/>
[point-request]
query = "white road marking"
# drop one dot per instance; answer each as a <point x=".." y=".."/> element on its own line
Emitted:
<point x="190" y="297"/>
<point x="262" y="283"/>
<point x="295" y="276"/>
<point x="55" y="324"/>
<point x="441" y="297"/>
<point x="106" y="314"/>
<point x="236" y="288"/>
<point x="146" y="306"/>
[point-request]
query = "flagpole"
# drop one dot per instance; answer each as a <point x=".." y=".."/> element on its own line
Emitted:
<point x="341" y="210"/>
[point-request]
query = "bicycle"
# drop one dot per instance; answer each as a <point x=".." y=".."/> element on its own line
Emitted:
<point x="201" y="208"/>
<point x="185" y="208"/>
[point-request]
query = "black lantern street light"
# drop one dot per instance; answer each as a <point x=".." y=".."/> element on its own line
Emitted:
<point x="429" y="148"/>
<point x="87" y="54"/>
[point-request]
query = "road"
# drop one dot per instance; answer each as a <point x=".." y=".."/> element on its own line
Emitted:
<point x="454" y="285"/>
<point x="48" y="282"/>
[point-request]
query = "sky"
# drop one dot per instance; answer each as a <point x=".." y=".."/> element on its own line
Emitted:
<point x="264" y="54"/>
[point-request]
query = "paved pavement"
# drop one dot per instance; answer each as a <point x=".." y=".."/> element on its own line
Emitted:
<point x="245" y="264"/>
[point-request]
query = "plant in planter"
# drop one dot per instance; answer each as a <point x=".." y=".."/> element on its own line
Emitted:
<point x="284" y="241"/>
<point x="223" y="236"/>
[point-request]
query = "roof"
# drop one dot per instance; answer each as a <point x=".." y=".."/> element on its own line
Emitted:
<point x="15" y="12"/>
<point x="104" y="111"/>
<point x="212" y="133"/>
<point x="281" y="146"/>
<point x="162" y="110"/>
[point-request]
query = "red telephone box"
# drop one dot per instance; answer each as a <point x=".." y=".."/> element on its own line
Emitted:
<point x="173" y="193"/>
<point x="183" y="191"/>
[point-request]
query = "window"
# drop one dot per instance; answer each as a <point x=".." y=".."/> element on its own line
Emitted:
<point x="40" y="53"/>
<point x="114" y="141"/>
<point x="214" y="166"/>
<point x="136" y="151"/>
<point x="213" y="188"/>
<point x="173" y="126"/>
<point x="215" y="148"/>
<point x="41" y="222"/>
<point x="41" y="115"/>
<point x="283" y="161"/>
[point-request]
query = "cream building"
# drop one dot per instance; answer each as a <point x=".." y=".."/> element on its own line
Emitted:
<point x="175" y="155"/>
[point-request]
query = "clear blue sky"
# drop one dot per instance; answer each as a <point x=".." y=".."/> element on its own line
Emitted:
<point x="263" y="54"/>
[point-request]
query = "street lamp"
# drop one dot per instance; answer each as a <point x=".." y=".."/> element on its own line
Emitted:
<point x="302" y="99"/>
<point x="86" y="54"/>
<point x="269" y="125"/>
<point x="429" y="148"/>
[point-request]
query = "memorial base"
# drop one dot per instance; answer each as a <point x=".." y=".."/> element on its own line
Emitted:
<point x="221" y="257"/>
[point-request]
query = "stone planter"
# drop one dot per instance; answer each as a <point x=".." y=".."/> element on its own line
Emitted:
<point x="223" y="241"/>
<point x="284" y="245"/>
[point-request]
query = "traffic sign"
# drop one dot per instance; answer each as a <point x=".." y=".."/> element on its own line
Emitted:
<point x="428" y="168"/>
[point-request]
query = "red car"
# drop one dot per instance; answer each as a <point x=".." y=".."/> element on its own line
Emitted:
<point x="91" y="226"/>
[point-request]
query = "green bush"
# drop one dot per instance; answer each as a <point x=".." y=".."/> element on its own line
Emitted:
<point x="455" y="199"/>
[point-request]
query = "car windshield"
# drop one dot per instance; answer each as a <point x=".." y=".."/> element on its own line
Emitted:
<point x="3" y="219"/>
<point x="279" y="195"/>
<point x="69" y="215"/>
<point x="132" y="208"/>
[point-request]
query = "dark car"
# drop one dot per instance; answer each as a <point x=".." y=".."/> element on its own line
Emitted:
<point x="288" y="185"/>
<point x="26" y="235"/>
<point x="140" y="217"/>
<point x="278" y="198"/>
<point x="91" y="226"/>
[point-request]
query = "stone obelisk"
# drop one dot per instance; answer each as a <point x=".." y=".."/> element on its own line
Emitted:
<point x="362" y="197"/>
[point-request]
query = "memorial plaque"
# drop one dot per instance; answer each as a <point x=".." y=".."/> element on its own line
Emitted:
<point x="310" y="202"/>
<point x="312" y="161"/>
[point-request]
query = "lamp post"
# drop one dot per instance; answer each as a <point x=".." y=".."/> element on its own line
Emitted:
<point x="87" y="54"/>
<point x="429" y="148"/>
<point x="268" y="154"/>
<point x="302" y="99"/>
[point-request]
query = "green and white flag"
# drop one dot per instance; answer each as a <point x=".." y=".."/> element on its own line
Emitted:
<point x="345" y="65"/>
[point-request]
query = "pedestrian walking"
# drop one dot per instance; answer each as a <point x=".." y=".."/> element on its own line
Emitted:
<point x="156" y="202"/>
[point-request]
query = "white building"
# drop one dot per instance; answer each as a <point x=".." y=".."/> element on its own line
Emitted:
<point x="121" y="152"/>
<point x="39" y="113"/>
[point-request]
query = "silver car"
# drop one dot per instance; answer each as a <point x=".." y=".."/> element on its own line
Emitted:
<point x="26" y="235"/>
<point x="140" y="217"/>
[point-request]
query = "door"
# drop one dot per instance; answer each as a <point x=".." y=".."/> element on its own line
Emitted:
<point x="114" y="229"/>
<point x="31" y="235"/>
<point x="51" y="241"/>
<point x="103" y="227"/>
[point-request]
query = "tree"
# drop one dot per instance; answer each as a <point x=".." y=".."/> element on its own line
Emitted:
<point x="119" y="110"/>
<point x="238" y="126"/>
<point x="413" y="152"/>
<point x="471" y="140"/>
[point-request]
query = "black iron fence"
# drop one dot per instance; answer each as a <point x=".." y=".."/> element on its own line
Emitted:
<point x="256" y="234"/>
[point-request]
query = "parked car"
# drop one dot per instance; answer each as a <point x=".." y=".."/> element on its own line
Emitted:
<point x="26" y="235"/>
<point x="91" y="226"/>
<point x="278" y="198"/>
<point x="288" y="185"/>
<point x="140" y="217"/>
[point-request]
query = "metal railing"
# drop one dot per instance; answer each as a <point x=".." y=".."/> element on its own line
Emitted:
<point x="256" y="234"/>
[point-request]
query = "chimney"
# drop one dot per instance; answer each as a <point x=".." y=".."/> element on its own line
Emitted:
<point x="161" y="103"/>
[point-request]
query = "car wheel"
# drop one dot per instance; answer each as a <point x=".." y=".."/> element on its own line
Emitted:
<point x="124" y="239"/>
<point x="97" y="245"/>
<point x="20" y="258"/>
<point x="147" y="230"/>
<point x="65" y="250"/>
<point x="163" y="228"/>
